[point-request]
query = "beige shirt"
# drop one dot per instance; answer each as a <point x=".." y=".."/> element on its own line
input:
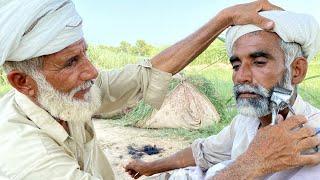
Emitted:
<point x="35" y="146"/>
<point x="234" y="139"/>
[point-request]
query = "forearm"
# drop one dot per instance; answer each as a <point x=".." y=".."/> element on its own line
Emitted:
<point x="176" y="57"/>
<point x="181" y="159"/>
<point x="241" y="169"/>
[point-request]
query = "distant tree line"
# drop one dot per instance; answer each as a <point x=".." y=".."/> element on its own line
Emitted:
<point x="140" y="48"/>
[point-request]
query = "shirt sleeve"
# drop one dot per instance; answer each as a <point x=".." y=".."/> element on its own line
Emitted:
<point x="214" y="149"/>
<point x="124" y="88"/>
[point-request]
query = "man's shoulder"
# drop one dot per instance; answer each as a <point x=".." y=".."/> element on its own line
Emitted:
<point x="22" y="147"/>
<point x="22" y="142"/>
<point x="10" y="112"/>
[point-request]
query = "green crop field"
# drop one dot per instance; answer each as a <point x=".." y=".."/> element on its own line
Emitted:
<point x="210" y="73"/>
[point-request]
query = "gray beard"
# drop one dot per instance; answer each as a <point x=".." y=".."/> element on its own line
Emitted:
<point x="252" y="107"/>
<point x="64" y="106"/>
<point x="259" y="106"/>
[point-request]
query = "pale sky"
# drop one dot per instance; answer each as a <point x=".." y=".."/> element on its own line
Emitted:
<point x="159" y="22"/>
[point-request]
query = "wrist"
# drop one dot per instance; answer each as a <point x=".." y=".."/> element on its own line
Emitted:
<point x="250" y="165"/>
<point x="151" y="168"/>
<point x="226" y="16"/>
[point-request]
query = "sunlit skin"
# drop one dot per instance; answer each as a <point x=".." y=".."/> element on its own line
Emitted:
<point x="69" y="68"/>
<point x="257" y="60"/>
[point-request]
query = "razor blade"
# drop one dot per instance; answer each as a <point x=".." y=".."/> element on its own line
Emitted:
<point x="280" y="99"/>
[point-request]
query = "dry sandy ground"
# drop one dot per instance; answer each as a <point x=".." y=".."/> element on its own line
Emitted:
<point x="115" y="139"/>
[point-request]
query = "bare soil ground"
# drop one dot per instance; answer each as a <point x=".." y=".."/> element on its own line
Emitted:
<point x="114" y="140"/>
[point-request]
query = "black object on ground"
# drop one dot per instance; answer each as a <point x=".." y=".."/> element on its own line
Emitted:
<point x="137" y="153"/>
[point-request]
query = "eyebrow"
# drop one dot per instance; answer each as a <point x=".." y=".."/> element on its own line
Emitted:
<point x="260" y="54"/>
<point x="232" y="59"/>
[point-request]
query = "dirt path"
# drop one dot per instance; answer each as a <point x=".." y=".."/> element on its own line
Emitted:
<point x="115" y="139"/>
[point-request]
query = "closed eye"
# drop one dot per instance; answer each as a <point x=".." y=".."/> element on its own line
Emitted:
<point x="235" y="66"/>
<point x="260" y="63"/>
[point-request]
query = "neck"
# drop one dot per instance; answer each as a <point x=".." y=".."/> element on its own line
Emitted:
<point x="266" y="120"/>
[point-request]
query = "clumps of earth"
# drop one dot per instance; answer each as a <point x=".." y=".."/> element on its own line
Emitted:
<point x="138" y="152"/>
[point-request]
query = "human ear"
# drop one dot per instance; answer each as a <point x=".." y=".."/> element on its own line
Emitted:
<point x="299" y="69"/>
<point x="23" y="83"/>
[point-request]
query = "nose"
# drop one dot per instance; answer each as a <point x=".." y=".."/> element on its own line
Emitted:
<point x="243" y="75"/>
<point x="89" y="72"/>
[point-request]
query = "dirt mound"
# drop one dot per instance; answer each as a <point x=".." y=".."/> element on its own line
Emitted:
<point x="184" y="107"/>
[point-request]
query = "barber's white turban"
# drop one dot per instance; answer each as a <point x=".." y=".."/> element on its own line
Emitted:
<point x="32" y="28"/>
<point x="291" y="27"/>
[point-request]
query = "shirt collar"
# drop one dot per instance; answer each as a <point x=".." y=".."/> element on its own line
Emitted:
<point x="298" y="106"/>
<point x="41" y="118"/>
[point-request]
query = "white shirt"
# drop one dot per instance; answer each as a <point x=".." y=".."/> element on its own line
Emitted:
<point x="234" y="140"/>
<point x="35" y="146"/>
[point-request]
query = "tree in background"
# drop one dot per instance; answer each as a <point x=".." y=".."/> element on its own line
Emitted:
<point x="125" y="47"/>
<point x="142" y="48"/>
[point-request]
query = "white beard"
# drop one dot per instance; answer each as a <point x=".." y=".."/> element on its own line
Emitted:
<point x="65" y="106"/>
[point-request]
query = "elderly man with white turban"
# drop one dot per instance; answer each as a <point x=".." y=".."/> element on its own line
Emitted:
<point x="46" y="130"/>
<point x="250" y="147"/>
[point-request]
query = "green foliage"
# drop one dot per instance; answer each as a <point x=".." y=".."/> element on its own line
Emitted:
<point x="216" y="52"/>
<point x="210" y="73"/>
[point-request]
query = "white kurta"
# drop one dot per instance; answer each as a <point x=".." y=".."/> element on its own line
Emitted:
<point x="234" y="139"/>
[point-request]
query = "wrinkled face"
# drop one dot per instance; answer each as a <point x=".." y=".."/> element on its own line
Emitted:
<point x="258" y="66"/>
<point x="65" y="85"/>
<point x="70" y="68"/>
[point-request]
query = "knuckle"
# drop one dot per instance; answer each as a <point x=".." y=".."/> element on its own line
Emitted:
<point x="298" y="119"/>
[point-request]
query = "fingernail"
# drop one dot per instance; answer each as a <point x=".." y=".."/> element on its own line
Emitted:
<point x="317" y="130"/>
<point x="269" y="25"/>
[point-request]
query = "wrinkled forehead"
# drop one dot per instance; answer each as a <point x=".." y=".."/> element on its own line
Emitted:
<point x="256" y="41"/>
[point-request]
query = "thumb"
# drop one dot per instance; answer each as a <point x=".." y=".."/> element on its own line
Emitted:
<point x="264" y="23"/>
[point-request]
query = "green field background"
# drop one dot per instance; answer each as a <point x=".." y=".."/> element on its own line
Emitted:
<point x="210" y="73"/>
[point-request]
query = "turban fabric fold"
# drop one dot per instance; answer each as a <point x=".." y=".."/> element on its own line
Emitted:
<point x="291" y="27"/>
<point x="32" y="28"/>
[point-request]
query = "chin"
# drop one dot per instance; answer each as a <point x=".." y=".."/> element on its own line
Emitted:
<point x="254" y="109"/>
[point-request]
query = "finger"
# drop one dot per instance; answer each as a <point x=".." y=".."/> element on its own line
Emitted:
<point x="293" y="122"/>
<point x="132" y="172"/>
<point x="310" y="159"/>
<point x="305" y="132"/>
<point x="308" y="143"/>
<point x="267" y="6"/>
<point x="127" y="168"/>
<point x="280" y="118"/>
<point x="137" y="175"/>
<point x="263" y="23"/>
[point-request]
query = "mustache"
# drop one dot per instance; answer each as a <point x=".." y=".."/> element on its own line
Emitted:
<point x="246" y="88"/>
<point x="86" y="85"/>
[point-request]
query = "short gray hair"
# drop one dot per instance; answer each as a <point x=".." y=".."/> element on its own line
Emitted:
<point x="27" y="66"/>
<point x="291" y="51"/>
